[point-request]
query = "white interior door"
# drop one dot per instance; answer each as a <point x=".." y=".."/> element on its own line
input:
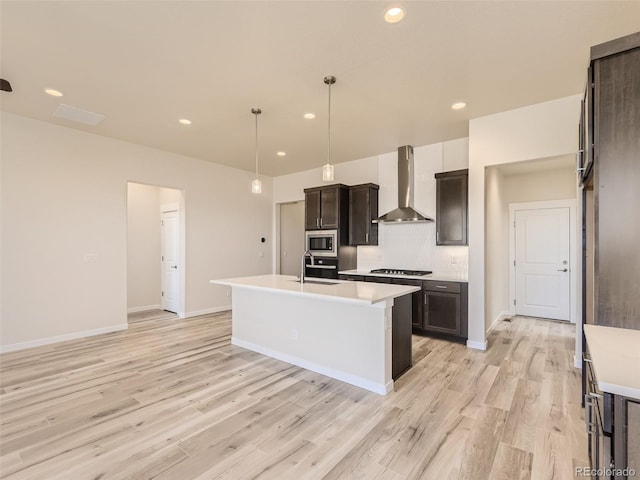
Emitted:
<point x="542" y="262"/>
<point x="170" y="265"/>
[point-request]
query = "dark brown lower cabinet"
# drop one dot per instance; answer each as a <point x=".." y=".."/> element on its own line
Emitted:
<point x="445" y="308"/>
<point x="401" y="351"/>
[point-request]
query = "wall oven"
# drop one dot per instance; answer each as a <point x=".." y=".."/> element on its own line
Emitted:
<point x="322" y="243"/>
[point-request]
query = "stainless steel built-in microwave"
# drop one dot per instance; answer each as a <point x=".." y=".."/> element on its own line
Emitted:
<point x="322" y="243"/>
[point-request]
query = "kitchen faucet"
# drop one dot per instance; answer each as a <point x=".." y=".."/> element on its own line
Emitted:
<point x="306" y="254"/>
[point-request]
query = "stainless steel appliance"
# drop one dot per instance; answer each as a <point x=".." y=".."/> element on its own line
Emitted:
<point x="405" y="211"/>
<point x="398" y="271"/>
<point x="322" y="243"/>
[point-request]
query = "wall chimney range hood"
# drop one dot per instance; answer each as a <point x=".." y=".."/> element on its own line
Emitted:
<point x="405" y="211"/>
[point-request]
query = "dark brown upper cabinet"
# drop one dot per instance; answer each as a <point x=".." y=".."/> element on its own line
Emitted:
<point x="451" y="207"/>
<point x="363" y="208"/>
<point x="326" y="207"/>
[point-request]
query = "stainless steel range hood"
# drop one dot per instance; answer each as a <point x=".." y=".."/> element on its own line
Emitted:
<point x="405" y="211"/>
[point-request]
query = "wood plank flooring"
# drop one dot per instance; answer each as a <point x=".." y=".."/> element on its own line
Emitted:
<point x="173" y="399"/>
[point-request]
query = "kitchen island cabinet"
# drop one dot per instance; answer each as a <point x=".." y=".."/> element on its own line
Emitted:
<point x="339" y="329"/>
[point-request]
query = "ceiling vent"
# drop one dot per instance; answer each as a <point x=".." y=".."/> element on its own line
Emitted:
<point x="76" y="115"/>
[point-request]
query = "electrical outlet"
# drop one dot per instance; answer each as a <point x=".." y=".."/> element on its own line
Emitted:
<point x="294" y="334"/>
<point x="90" y="258"/>
<point x="261" y="254"/>
<point x="228" y="292"/>
<point x="454" y="260"/>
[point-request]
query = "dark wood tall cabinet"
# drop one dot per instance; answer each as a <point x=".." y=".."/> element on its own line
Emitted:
<point x="611" y="133"/>
<point x="451" y="207"/>
<point x="609" y="168"/>
<point x="363" y="209"/>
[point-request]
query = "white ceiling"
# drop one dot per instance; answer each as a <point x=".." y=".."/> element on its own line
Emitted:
<point x="145" y="64"/>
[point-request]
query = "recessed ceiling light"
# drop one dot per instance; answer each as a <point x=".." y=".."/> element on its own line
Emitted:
<point x="309" y="116"/>
<point x="52" y="92"/>
<point x="459" y="105"/>
<point x="185" y="121"/>
<point x="281" y="154"/>
<point x="394" y="14"/>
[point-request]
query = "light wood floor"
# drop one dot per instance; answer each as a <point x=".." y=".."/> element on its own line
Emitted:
<point x="173" y="399"/>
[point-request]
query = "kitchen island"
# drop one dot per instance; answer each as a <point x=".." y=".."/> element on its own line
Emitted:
<point x="340" y="329"/>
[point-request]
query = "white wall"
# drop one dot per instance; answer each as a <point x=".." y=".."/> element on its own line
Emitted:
<point x="64" y="195"/>
<point x="400" y="246"/>
<point x="534" y="132"/>
<point x="497" y="250"/>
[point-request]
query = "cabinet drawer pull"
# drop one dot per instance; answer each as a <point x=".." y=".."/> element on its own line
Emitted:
<point x="440" y="286"/>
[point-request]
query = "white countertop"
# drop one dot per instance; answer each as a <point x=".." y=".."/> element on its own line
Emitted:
<point x="615" y="353"/>
<point x="433" y="276"/>
<point x="337" y="290"/>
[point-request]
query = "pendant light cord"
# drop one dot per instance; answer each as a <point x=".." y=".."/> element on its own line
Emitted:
<point x="256" y="115"/>
<point x="256" y="112"/>
<point x="329" y="129"/>
<point x="329" y="80"/>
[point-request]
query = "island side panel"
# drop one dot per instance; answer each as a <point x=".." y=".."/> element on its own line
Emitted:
<point x="349" y="342"/>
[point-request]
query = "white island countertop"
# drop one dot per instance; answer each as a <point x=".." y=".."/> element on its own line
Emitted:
<point x="615" y="354"/>
<point x="336" y="290"/>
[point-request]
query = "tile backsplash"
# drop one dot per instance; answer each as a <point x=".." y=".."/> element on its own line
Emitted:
<point x="413" y="246"/>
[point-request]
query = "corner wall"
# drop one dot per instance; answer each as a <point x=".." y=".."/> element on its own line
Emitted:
<point x="64" y="197"/>
<point x="538" y="131"/>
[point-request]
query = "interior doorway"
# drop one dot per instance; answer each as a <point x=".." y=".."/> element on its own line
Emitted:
<point x="542" y="259"/>
<point x="291" y="238"/>
<point x="155" y="249"/>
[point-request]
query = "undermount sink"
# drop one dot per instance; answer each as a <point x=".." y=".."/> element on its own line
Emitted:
<point x="317" y="282"/>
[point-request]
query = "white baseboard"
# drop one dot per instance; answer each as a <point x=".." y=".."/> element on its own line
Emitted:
<point x="504" y="314"/>
<point x="144" y="308"/>
<point x="62" y="338"/>
<point x="477" y="345"/>
<point x="206" y="311"/>
<point x="379" y="388"/>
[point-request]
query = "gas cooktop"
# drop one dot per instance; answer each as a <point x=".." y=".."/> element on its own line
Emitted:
<point x="396" y="271"/>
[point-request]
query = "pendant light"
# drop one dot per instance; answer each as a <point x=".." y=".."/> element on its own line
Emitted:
<point x="327" y="169"/>
<point x="256" y="185"/>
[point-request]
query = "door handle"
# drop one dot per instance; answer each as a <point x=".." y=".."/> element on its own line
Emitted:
<point x="564" y="270"/>
<point x="174" y="266"/>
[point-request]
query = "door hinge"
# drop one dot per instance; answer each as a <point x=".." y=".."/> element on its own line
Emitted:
<point x="514" y="263"/>
<point x="162" y="222"/>
<point x="514" y="301"/>
<point x="163" y="258"/>
<point x="163" y="294"/>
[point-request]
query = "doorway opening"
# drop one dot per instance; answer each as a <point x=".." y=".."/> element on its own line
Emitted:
<point x="155" y="251"/>
<point x="290" y="238"/>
